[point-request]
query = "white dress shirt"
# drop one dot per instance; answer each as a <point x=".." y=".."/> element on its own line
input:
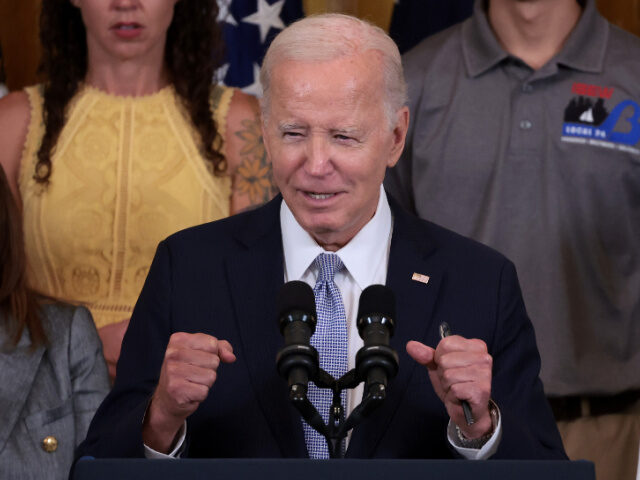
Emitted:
<point x="365" y="259"/>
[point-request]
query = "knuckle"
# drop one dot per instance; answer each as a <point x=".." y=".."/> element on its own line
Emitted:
<point x="173" y="389"/>
<point x="215" y="362"/>
<point x="177" y="337"/>
<point x="200" y="393"/>
<point x="209" y="377"/>
<point x="204" y="391"/>
<point x="183" y="402"/>
<point x="171" y="368"/>
<point x="171" y="353"/>
<point x="457" y="389"/>
<point x="480" y="345"/>
<point x="487" y="360"/>
<point x="446" y="376"/>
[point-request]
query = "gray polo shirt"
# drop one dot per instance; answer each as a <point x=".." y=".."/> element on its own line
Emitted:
<point x="545" y="167"/>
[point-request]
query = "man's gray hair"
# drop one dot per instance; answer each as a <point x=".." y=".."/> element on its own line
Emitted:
<point x="331" y="36"/>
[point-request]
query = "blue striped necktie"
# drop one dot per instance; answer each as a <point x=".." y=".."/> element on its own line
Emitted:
<point x="330" y="339"/>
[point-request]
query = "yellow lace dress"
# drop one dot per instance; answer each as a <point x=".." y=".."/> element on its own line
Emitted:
<point x="126" y="173"/>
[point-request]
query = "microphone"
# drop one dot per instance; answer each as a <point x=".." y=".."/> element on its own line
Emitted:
<point x="376" y="362"/>
<point x="298" y="361"/>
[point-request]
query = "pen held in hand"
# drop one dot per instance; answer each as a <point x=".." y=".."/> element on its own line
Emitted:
<point x="445" y="331"/>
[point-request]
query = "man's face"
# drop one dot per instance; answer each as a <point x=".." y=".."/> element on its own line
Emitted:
<point x="330" y="142"/>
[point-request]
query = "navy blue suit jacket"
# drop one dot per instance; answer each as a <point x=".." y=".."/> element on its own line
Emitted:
<point x="222" y="279"/>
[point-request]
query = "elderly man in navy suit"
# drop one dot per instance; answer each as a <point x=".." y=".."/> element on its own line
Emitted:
<point x="197" y="375"/>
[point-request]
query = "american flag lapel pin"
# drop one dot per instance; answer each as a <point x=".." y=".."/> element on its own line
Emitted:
<point x="418" y="277"/>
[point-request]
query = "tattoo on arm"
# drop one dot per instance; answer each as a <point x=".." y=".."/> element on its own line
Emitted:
<point x="253" y="176"/>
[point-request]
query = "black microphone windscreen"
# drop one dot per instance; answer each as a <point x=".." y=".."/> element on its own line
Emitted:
<point x="296" y="295"/>
<point x="377" y="300"/>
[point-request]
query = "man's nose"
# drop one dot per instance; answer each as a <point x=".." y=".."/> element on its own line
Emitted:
<point x="318" y="161"/>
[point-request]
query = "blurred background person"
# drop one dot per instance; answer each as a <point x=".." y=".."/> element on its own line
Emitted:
<point x="52" y="373"/>
<point x="125" y="142"/>
<point x="525" y="135"/>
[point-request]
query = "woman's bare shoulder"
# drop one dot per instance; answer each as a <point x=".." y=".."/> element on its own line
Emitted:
<point x="243" y="108"/>
<point x="246" y="156"/>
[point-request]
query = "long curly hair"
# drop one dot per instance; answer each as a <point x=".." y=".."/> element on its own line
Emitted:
<point x="193" y="51"/>
<point x="19" y="306"/>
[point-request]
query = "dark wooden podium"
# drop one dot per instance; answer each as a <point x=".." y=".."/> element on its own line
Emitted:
<point x="301" y="469"/>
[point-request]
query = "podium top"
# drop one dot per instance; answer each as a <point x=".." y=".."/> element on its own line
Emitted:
<point x="347" y="469"/>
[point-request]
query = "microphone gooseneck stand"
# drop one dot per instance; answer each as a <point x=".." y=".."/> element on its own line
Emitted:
<point x="298" y="361"/>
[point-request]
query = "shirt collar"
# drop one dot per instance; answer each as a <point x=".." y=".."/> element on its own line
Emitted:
<point x="360" y="256"/>
<point x="584" y="49"/>
<point x="480" y="47"/>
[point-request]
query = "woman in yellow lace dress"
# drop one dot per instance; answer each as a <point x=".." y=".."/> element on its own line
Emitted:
<point x="125" y="143"/>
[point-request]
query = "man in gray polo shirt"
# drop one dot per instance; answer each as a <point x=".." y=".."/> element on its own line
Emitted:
<point x="525" y="135"/>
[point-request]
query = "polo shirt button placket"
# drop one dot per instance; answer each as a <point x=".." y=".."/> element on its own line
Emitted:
<point x="525" y="124"/>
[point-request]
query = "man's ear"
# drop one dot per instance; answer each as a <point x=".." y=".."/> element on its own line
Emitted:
<point x="399" y="135"/>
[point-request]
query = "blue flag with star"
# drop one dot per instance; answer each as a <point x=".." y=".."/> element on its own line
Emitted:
<point x="248" y="28"/>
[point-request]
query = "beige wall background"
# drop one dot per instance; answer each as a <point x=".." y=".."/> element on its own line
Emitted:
<point x="21" y="51"/>
<point x="376" y="11"/>
<point x="19" y="41"/>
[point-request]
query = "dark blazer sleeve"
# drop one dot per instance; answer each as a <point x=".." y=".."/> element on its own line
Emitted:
<point x="116" y="429"/>
<point x="529" y="430"/>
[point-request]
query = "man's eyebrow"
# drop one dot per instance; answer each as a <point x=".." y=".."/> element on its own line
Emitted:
<point x="349" y="130"/>
<point x="290" y="126"/>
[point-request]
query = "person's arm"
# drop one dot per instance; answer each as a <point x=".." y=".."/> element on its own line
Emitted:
<point x="87" y="370"/>
<point x="460" y="369"/>
<point x="188" y="372"/>
<point x="14" y="124"/>
<point x="162" y="375"/>
<point x="507" y="373"/>
<point x="249" y="167"/>
<point x="116" y="428"/>
<point x="111" y="337"/>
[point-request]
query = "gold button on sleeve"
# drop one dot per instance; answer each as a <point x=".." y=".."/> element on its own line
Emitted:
<point x="50" y="444"/>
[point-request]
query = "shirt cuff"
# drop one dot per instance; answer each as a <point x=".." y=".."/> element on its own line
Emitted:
<point x="487" y="450"/>
<point x="177" y="450"/>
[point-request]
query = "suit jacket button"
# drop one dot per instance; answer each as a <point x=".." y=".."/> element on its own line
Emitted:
<point x="50" y="444"/>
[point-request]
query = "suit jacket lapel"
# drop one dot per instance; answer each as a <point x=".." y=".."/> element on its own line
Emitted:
<point x="411" y="252"/>
<point x="18" y="369"/>
<point x="256" y="273"/>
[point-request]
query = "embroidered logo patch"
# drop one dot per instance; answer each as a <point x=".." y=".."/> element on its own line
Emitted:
<point x="588" y="121"/>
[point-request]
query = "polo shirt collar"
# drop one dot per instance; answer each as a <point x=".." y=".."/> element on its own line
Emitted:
<point x="586" y="46"/>
<point x="361" y="256"/>
<point x="480" y="47"/>
<point x="584" y="50"/>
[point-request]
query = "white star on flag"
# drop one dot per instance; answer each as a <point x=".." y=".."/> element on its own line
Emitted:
<point x="224" y="15"/>
<point x="266" y="17"/>
<point x="220" y="73"/>
<point x="248" y="27"/>
<point x="255" y="88"/>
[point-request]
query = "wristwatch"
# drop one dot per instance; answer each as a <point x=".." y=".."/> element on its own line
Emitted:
<point x="478" y="443"/>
